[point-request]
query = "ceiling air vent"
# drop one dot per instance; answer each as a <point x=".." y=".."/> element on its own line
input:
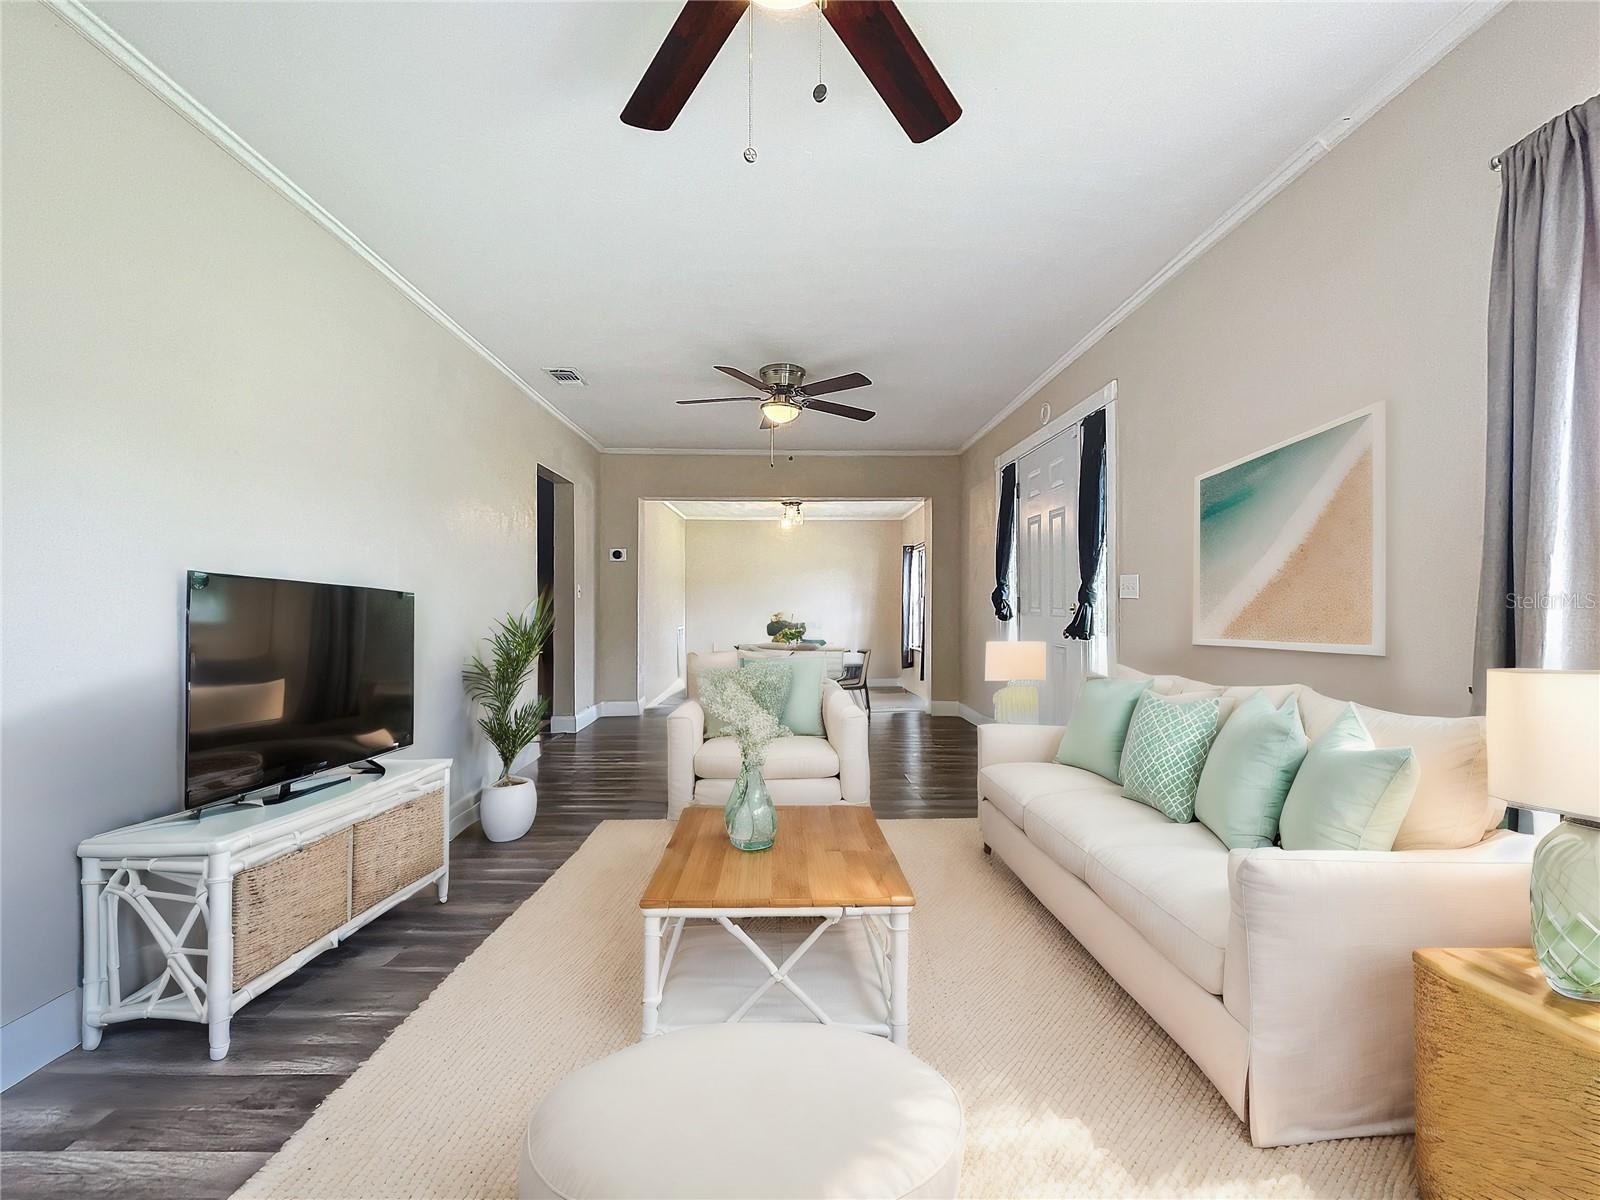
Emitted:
<point x="565" y="376"/>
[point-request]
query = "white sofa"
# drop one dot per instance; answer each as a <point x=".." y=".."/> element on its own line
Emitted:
<point x="831" y="769"/>
<point x="1285" y="975"/>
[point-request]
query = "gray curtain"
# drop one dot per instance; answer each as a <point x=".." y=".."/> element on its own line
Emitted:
<point x="1539" y="591"/>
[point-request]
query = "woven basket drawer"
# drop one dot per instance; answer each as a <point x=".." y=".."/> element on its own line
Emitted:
<point x="396" y="848"/>
<point x="286" y="903"/>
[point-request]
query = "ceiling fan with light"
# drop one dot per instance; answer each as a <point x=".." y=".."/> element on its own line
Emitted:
<point x="786" y="394"/>
<point x="874" y="32"/>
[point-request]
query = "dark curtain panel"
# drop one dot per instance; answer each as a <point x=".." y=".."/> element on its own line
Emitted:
<point x="906" y="659"/>
<point x="1537" y="593"/>
<point x="1091" y="520"/>
<point x="1005" y="542"/>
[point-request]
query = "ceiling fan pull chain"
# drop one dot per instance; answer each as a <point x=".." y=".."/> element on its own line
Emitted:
<point x="820" y="92"/>
<point x="750" y="91"/>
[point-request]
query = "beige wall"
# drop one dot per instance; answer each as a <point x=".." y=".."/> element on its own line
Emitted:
<point x="915" y="679"/>
<point x="198" y="376"/>
<point x="662" y="598"/>
<point x="1365" y="280"/>
<point x="842" y="578"/>
<point x="625" y="479"/>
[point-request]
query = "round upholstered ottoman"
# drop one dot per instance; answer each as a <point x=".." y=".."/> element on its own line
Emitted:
<point x="757" y="1111"/>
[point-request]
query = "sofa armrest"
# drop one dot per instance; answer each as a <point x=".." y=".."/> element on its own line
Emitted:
<point x="1318" y="969"/>
<point x="845" y="725"/>
<point x="686" y="729"/>
<point x="998" y="743"/>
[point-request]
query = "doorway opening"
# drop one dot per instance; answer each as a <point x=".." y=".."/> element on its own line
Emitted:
<point x="544" y="510"/>
<point x="556" y="572"/>
<point x="848" y="577"/>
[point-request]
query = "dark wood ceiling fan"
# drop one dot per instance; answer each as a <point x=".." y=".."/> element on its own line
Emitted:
<point x="874" y="32"/>
<point x="785" y="394"/>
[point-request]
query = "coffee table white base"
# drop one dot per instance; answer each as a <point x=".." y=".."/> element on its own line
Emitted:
<point x="711" y="966"/>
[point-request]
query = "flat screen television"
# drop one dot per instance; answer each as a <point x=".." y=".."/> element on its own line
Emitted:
<point x="285" y="679"/>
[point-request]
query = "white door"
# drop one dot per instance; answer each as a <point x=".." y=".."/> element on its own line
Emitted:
<point x="1047" y="567"/>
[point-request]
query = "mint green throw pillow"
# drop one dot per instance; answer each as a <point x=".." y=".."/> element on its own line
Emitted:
<point x="802" y="714"/>
<point x="1168" y="739"/>
<point x="1249" y="771"/>
<point x="1099" y="726"/>
<point x="1349" y="795"/>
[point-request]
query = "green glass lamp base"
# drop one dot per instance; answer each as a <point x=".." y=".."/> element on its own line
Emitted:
<point x="1565" y="894"/>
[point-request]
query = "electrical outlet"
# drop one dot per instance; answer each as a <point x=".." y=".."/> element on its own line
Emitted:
<point x="1128" y="587"/>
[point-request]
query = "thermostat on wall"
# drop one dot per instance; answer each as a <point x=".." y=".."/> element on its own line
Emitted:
<point x="618" y="554"/>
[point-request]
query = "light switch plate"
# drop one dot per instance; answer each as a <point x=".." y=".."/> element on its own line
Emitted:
<point x="1128" y="587"/>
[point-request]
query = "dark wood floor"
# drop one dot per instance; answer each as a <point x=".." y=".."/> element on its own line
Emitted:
<point x="149" y="1115"/>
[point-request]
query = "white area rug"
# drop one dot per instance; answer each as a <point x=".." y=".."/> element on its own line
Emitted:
<point x="1070" y="1090"/>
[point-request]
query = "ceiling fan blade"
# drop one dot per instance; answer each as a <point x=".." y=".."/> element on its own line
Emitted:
<point x="839" y="383"/>
<point x="840" y="410"/>
<point x="895" y="63"/>
<point x="743" y="378"/>
<point x="724" y="400"/>
<point x="685" y="54"/>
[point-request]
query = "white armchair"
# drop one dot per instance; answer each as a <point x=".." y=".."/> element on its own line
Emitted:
<point x="832" y="769"/>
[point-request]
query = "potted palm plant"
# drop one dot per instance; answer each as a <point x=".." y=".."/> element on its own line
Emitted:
<point x="507" y="805"/>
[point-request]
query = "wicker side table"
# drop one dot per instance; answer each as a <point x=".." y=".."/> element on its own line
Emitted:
<point x="1507" y="1079"/>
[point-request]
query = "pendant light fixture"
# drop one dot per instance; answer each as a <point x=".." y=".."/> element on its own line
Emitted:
<point x="792" y="516"/>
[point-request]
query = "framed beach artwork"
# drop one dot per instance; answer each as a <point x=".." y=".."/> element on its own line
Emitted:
<point x="1288" y="544"/>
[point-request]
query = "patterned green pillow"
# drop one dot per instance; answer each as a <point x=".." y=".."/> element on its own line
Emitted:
<point x="1168" y="740"/>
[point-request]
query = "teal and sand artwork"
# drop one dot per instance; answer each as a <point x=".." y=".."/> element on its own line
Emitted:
<point x="1288" y="547"/>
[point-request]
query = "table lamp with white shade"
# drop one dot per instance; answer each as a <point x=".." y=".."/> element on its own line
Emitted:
<point x="1544" y="754"/>
<point x="1020" y="665"/>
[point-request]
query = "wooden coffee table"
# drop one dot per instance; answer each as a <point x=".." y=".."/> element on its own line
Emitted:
<point x="845" y="909"/>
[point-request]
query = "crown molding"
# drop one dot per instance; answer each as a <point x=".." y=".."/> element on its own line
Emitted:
<point x="1443" y="40"/>
<point x="1449" y="35"/>
<point x="681" y="451"/>
<point x="122" y="52"/>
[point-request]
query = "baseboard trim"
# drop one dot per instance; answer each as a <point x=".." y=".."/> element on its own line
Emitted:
<point x="953" y="708"/>
<point x="464" y="818"/>
<point x="892" y="682"/>
<point x="576" y="723"/>
<point x="620" y="708"/>
<point x="39" y="1037"/>
<point x="677" y="686"/>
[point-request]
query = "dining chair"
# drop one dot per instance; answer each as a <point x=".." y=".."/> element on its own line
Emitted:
<point x="854" y="679"/>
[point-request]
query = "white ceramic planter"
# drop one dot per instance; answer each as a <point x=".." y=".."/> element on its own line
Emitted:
<point x="507" y="812"/>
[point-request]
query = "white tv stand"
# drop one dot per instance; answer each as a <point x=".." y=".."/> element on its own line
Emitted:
<point x="289" y="881"/>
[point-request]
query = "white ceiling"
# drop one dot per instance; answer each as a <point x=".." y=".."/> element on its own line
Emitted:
<point x="811" y="510"/>
<point x="476" y="147"/>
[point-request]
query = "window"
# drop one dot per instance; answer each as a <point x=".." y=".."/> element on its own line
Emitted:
<point x="916" y="607"/>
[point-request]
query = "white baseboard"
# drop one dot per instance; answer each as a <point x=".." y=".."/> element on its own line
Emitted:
<point x="953" y="708"/>
<point x="620" y="708"/>
<point x="575" y="724"/>
<point x="39" y="1037"/>
<point x="463" y="818"/>
<point x="677" y="686"/>
<point x="972" y="716"/>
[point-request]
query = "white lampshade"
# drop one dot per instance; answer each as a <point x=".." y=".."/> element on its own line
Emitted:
<point x="1544" y="740"/>
<point x="1005" y="661"/>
